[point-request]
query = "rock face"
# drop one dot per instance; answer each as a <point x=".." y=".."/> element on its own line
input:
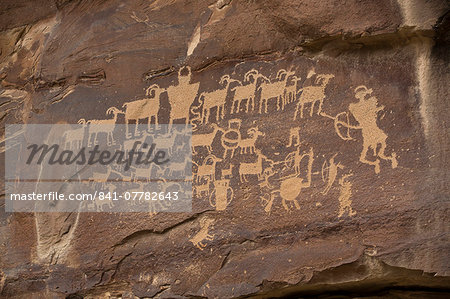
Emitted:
<point x="325" y="122"/>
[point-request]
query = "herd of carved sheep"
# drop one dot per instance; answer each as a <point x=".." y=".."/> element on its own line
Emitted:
<point x="186" y="101"/>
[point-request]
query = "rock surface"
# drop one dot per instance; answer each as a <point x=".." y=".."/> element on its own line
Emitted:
<point x="339" y="188"/>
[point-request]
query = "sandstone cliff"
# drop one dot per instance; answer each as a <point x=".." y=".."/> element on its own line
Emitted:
<point x="359" y="116"/>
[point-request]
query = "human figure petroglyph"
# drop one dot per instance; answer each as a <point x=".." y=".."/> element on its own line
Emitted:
<point x="312" y="94"/>
<point x="329" y="173"/>
<point x="247" y="145"/>
<point x="290" y="188"/>
<point x="222" y="195"/>
<point x="181" y="96"/>
<point x="205" y="139"/>
<point x="365" y="111"/>
<point x="267" y="173"/>
<point x="294" y="159"/>
<point x="247" y="91"/>
<point x="276" y="89"/>
<point x="344" y="196"/>
<point x="266" y="185"/>
<point x="294" y="134"/>
<point x="203" y="235"/>
<point x="142" y="109"/>
<point x="216" y="98"/>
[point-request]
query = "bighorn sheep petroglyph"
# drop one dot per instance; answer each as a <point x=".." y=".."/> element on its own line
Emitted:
<point x="248" y="145"/>
<point x="255" y="168"/>
<point x="75" y="137"/>
<point x="313" y="94"/>
<point x="207" y="168"/>
<point x="275" y="89"/>
<point x="203" y="235"/>
<point x="291" y="91"/>
<point x="104" y="126"/>
<point x="205" y="139"/>
<point x="247" y="91"/>
<point x="141" y="109"/>
<point x="216" y="98"/>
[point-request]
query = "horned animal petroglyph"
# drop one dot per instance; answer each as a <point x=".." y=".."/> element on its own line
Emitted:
<point x="205" y="139"/>
<point x="313" y="94"/>
<point x="247" y="91"/>
<point x="75" y="137"/>
<point x="203" y="235"/>
<point x="247" y="145"/>
<point x="142" y="109"/>
<point x="103" y="126"/>
<point x="255" y="168"/>
<point x="276" y="89"/>
<point x="291" y="91"/>
<point x="207" y="168"/>
<point x="216" y="99"/>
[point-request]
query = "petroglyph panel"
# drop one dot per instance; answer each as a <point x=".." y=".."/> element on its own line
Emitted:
<point x="94" y="164"/>
<point x="318" y="149"/>
<point x="281" y="136"/>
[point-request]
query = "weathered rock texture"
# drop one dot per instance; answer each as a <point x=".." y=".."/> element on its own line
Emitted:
<point x="314" y="213"/>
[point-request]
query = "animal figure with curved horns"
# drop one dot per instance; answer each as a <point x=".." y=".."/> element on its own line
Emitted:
<point x="75" y="137"/>
<point x="216" y="98"/>
<point x="247" y="145"/>
<point x="313" y="94"/>
<point x="247" y="91"/>
<point x="103" y="126"/>
<point x="205" y="139"/>
<point x="291" y="91"/>
<point x="142" y="109"/>
<point x="276" y="89"/>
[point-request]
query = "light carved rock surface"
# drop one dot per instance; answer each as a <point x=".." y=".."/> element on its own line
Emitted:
<point x="338" y="184"/>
